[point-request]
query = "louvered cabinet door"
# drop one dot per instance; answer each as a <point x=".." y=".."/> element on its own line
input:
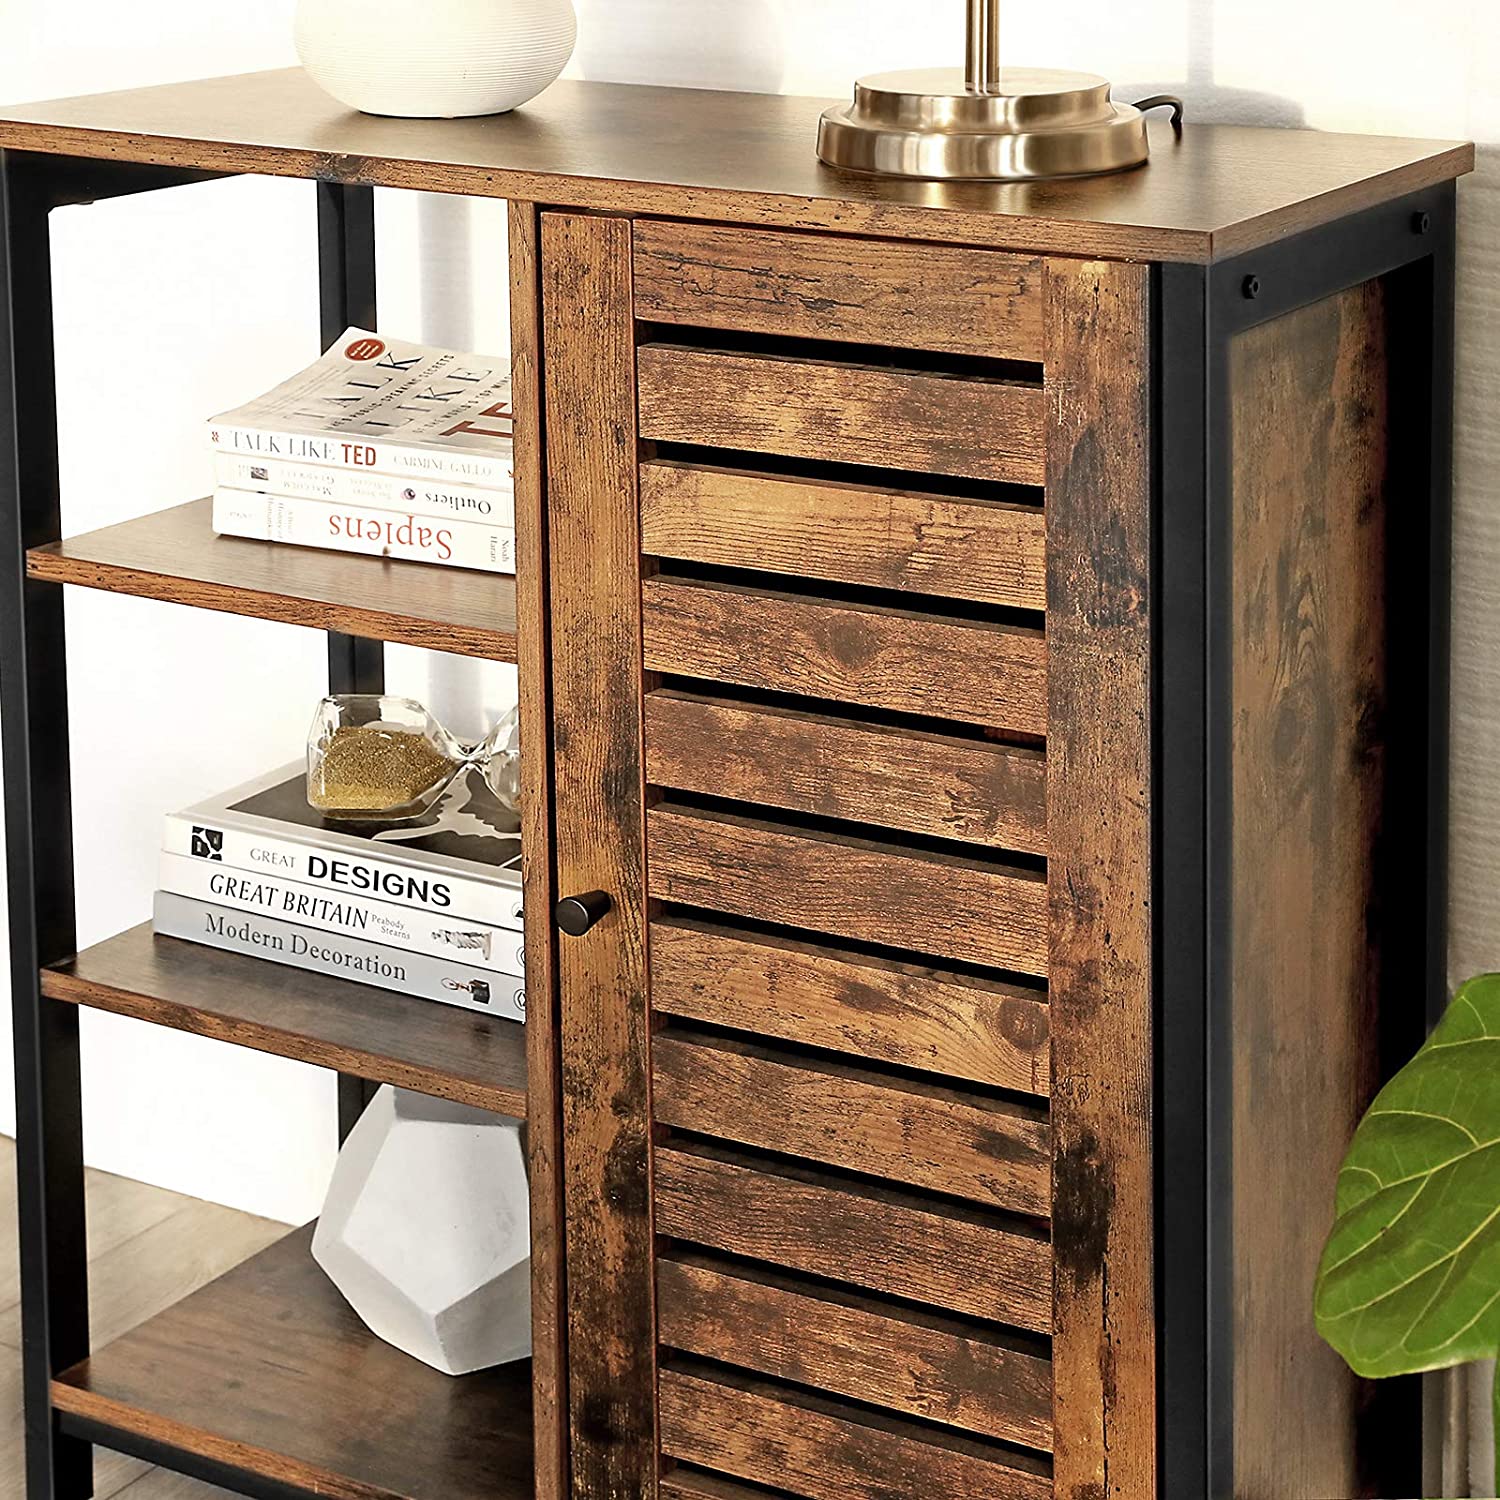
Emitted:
<point x="850" y="640"/>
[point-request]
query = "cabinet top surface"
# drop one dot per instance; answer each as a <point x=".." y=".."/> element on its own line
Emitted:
<point x="1217" y="191"/>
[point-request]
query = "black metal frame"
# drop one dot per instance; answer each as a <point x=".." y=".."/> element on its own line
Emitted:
<point x="38" y="800"/>
<point x="1198" y="311"/>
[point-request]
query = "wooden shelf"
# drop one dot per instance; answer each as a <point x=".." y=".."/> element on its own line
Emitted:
<point x="1216" y="190"/>
<point x="269" y="1372"/>
<point x="417" y="1044"/>
<point x="174" y="555"/>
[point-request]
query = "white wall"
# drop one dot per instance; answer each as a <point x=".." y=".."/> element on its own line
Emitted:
<point x="215" y="291"/>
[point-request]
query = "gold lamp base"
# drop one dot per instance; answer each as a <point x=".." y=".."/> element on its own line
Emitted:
<point x="1018" y="124"/>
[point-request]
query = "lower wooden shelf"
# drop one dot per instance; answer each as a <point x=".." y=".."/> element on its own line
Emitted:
<point x="268" y="1372"/>
<point x="385" y="1037"/>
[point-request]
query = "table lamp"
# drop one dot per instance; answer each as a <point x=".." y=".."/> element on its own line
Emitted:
<point x="985" y="124"/>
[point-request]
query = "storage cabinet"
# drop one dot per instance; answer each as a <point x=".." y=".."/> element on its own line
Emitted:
<point x="983" y="682"/>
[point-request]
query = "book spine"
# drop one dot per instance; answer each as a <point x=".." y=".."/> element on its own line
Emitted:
<point x="443" y="895"/>
<point x="452" y="466"/>
<point x="360" y="487"/>
<point x="379" y="922"/>
<point x="444" y="980"/>
<point x="375" y="533"/>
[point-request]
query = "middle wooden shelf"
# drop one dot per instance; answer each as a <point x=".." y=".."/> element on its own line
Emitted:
<point x="385" y="1037"/>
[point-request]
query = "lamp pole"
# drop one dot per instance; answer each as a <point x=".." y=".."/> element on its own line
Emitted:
<point x="982" y="73"/>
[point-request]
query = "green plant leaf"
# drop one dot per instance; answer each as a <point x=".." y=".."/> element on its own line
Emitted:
<point x="1410" y="1277"/>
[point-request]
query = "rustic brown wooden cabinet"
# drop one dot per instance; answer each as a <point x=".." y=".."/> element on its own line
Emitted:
<point x="983" y="649"/>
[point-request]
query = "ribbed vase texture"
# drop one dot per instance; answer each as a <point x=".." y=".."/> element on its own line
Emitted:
<point x="435" y="59"/>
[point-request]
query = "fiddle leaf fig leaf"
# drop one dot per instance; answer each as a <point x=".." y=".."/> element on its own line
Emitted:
<point x="1410" y="1276"/>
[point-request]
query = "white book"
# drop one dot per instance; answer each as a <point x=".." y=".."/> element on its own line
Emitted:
<point x="462" y="857"/>
<point x="387" y="406"/>
<point x="433" y="892"/>
<point x="374" y="533"/>
<point x="298" y="481"/>
<point x="381" y="922"/>
<point x="448" y="981"/>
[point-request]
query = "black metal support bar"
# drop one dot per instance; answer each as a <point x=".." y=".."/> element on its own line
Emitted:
<point x="163" y="1455"/>
<point x="1323" y="262"/>
<point x="39" y="843"/>
<point x="346" y="275"/>
<point x="72" y="179"/>
<point x="1198" y="315"/>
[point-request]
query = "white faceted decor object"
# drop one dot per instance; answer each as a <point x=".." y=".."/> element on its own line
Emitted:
<point x="436" y="59"/>
<point x="426" y="1230"/>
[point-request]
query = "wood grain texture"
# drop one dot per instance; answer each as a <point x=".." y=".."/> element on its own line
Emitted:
<point x="174" y="556"/>
<point x="679" y="1483"/>
<point x="936" y="904"/>
<point x="992" y="675"/>
<point x="988" y="550"/>
<point x="903" y="1360"/>
<point x="544" y="1144"/>
<point x="321" y="1403"/>
<point x="740" y="157"/>
<point x="991" y="551"/>
<point x="1310" y="433"/>
<point x="877" y="1237"/>
<point x="594" y="548"/>
<point x="842" y="413"/>
<point x="902" y="1014"/>
<point x="316" y="1018"/>
<point x="1099" y="874"/>
<point x="927" y="1136"/>
<point x="978" y="791"/>
<point x="824" y="1451"/>
<point x="821" y="287"/>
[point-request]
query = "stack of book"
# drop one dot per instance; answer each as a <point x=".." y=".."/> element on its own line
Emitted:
<point x="430" y="907"/>
<point x="385" y="448"/>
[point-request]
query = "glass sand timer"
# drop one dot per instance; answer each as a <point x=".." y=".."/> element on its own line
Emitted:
<point x="376" y="758"/>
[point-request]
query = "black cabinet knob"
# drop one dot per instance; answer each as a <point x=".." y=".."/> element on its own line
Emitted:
<point x="577" y="914"/>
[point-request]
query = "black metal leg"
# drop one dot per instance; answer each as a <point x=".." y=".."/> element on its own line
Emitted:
<point x="1182" y="603"/>
<point x="346" y="284"/>
<point x="1439" y="310"/>
<point x="39" y="845"/>
<point x="346" y="272"/>
<point x="346" y="257"/>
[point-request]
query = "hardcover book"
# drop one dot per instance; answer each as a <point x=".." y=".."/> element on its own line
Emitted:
<point x="386" y="406"/>
<point x="361" y="487"/>
<point x="375" y="533"/>
<point x="448" y="981"/>
<point x="376" y="921"/>
<point x="460" y="859"/>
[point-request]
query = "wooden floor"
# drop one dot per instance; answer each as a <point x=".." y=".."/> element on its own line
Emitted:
<point x="147" y="1249"/>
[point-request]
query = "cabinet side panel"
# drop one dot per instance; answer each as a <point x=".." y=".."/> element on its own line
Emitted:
<point x="543" y="1114"/>
<point x="594" y="546"/>
<point x="1099" y="877"/>
<point x="1309" y="428"/>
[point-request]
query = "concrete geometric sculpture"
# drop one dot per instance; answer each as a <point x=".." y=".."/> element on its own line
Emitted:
<point x="426" y="1230"/>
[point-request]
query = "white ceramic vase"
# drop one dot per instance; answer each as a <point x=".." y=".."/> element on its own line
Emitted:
<point x="435" y="59"/>
<point x="426" y="1231"/>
